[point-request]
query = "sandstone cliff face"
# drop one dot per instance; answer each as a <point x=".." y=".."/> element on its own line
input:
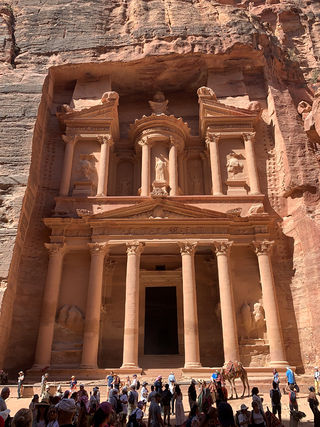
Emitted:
<point x="46" y="45"/>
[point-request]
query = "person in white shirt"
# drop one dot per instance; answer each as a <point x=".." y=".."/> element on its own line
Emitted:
<point x="244" y="416"/>
<point x="124" y="403"/>
<point x="144" y="394"/>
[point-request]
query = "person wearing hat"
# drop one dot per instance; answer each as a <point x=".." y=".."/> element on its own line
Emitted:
<point x="316" y="379"/>
<point x="20" y="384"/>
<point x="46" y="395"/>
<point x="144" y="394"/>
<point x="73" y="384"/>
<point x="59" y="392"/>
<point x="94" y="400"/>
<point x="66" y="410"/>
<point x="44" y="380"/>
<point x="243" y="415"/>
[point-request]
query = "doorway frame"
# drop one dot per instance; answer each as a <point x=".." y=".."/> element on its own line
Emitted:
<point x="156" y="278"/>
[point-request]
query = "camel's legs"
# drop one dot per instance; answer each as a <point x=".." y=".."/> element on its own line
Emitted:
<point x="234" y="386"/>
<point x="243" y="383"/>
<point x="229" y="380"/>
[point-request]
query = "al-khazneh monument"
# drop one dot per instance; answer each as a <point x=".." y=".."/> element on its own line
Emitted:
<point x="159" y="184"/>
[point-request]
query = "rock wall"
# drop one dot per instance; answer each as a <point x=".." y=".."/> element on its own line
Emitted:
<point x="143" y="44"/>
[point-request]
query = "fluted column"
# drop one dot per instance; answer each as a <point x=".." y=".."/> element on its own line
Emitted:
<point x="145" y="167"/>
<point x="228" y="315"/>
<point x="270" y="304"/>
<point x="173" y="169"/>
<point x="106" y="142"/>
<point x="212" y="141"/>
<point x="251" y="163"/>
<point x="190" y="311"/>
<point x="131" y="319"/>
<point x="49" y="305"/>
<point x="70" y="142"/>
<point x="93" y="306"/>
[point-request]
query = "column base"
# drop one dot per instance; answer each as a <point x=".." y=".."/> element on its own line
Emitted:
<point x="130" y="369"/>
<point x="192" y="365"/>
<point x="255" y="193"/>
<point x="217" y="194"/>
<point x="278" y="363"/>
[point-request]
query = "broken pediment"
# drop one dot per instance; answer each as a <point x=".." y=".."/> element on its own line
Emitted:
<point x="160" y="209"/>
<point x="224" y="118"/>
<point x="95" y="119"/>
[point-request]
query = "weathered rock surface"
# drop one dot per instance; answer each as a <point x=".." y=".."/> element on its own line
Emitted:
<point x="260" y="51"/>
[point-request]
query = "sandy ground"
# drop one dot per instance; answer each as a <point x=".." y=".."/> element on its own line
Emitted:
<point x="15" y="404"/>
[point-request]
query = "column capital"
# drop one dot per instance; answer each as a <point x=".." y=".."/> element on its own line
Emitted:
<point x="263" y="247"/>
<point x="249" y="136"/>
<point x="70" y="139"/>
<point x="134" y="247"/>
<point x="96" y="248"/>
<point x="187" y="248"/>
<point x="55" y="248"/>
<point x="105" y="139"/>
<point x="222" y="247"/>
<point x="212" y="137"/>
<point x="144" y="141"/>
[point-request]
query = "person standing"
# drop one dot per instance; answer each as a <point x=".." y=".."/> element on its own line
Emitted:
<point x="180" y="418"/>
<point x="172" y="383"/>
<point x="166" y="400"/>
<point x="116" y="382"/>
<point x="225" y="414"/>
<point x="257" y="398"/>
<point x="109" y="381"/>
<point x="124" y="403"/>
<point x="20" y="384"/>
<point x="257" y="417"/>
<point x="275" y="396"/>
<point x="316" y="379"/>
<point x="243" y="416"/>
<point x="192" y="394"/>
<point x="73" y="384"/>
<point x="152" y="394"/>
<point x="144" y="394"/>
<point x="293" y="404"/>
<point x="314" y="403"/>
<point x="158" y="384"/>
<point x="66" y="410"/>
<point x="5" y="393"/>
<point x="132" y="400"/>
<point x="290" y="377"/>
<point x="154" y="419"/>
<point x="276" y="378"/>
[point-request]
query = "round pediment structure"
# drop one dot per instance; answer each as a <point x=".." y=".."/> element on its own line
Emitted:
<point x="160" y="127"/>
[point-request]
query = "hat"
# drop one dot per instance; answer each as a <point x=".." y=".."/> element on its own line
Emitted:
<point x="47" y="387"/>
<point x="72" y="376"/>
<point x="243" y="407"/>
<point x="144" y="383"/>
<point x="106" y="407"/>
<point x="66" y="405"/>
<point x="21" y="372"/>
<point x="193" y="381"/>
<point x="134" y="375"/>
<point x="96" y="388"/>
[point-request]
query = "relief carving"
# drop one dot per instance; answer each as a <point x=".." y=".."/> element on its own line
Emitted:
<point x="159" y="103"/>
<point x="69" y="327"/>
<point x="252" y="321"/>
<point x="86" y="184"/>
<point x="256" y="209"/>
<point x="160" y="184"/>
<point x="234" y="164"/>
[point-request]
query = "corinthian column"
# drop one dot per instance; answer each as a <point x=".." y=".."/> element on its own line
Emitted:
<point x="173" y="169"/>
<point x="67" y="164"/>
<point x="212" y="144"/>
<point x="106" y="142"/>
<point x="49" y="305"/>
<point x="251" y="163"/>
<point x="228" y="315"/>
<point x="93" y="307"/>
<point x="131" y="319"/>
<point x="145" y="167"/>
<point x="190" y="313"/>
<point x="270" y="304"/>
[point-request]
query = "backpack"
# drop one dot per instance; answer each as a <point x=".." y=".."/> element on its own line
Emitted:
<point x="275" y="397"/>
<point x="131" y="398"/>
<point x="118" y="406"/>
<point x="138" y="385"/>
<point x="132" y="422"/>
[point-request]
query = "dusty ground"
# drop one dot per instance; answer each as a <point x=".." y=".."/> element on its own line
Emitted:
<point x="15" y="404"/>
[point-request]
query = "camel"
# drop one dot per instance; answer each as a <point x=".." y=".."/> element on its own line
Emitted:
<point x="233" y="370"/>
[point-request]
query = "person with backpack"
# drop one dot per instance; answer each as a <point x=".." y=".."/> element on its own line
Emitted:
<point x="257" y="417"/>
<point x="154" y="419"/>
<point x="275" y="396"/>
<point x="293" y="404"/>
<point x="136" y="417"/>
<point x="132" y="399"/>
<point x="165" y="401"/>
<point x="257" y="398"/>
<point x="135" y="381"/>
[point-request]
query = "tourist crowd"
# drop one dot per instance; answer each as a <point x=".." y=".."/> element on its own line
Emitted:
<point x="134" y="404"/>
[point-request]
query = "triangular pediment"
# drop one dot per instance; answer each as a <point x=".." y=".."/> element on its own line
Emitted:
<point x="218" y="109"/>
<point x="159" y="209"/>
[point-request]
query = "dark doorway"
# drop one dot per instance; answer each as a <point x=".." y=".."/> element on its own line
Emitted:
<point x="161" y="324"/>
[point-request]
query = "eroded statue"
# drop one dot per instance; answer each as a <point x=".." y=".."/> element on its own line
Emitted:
<point x="160" y="169"/>
<point x="159" y="103"/>
<point x="234" y="164"/>
<point x="70" y="317"/>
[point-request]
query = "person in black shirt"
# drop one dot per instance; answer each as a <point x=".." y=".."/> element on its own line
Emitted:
<point x="165" y="400"/>
<point x="192" y="394"/>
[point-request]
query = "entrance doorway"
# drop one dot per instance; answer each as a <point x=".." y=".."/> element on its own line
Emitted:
<point x="161" y="324"/>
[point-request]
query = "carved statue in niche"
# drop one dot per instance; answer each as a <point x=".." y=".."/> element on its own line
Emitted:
<point x="68" y="328"/>
<point x="159" y="103"/>
<point x="160" y="166"/>
<point x="160" y="184"/>
<point x="252" y="321"/>
<point x="234" y="164"/>
<point x="70" y="317"/>
<point x="86" y="184"/>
